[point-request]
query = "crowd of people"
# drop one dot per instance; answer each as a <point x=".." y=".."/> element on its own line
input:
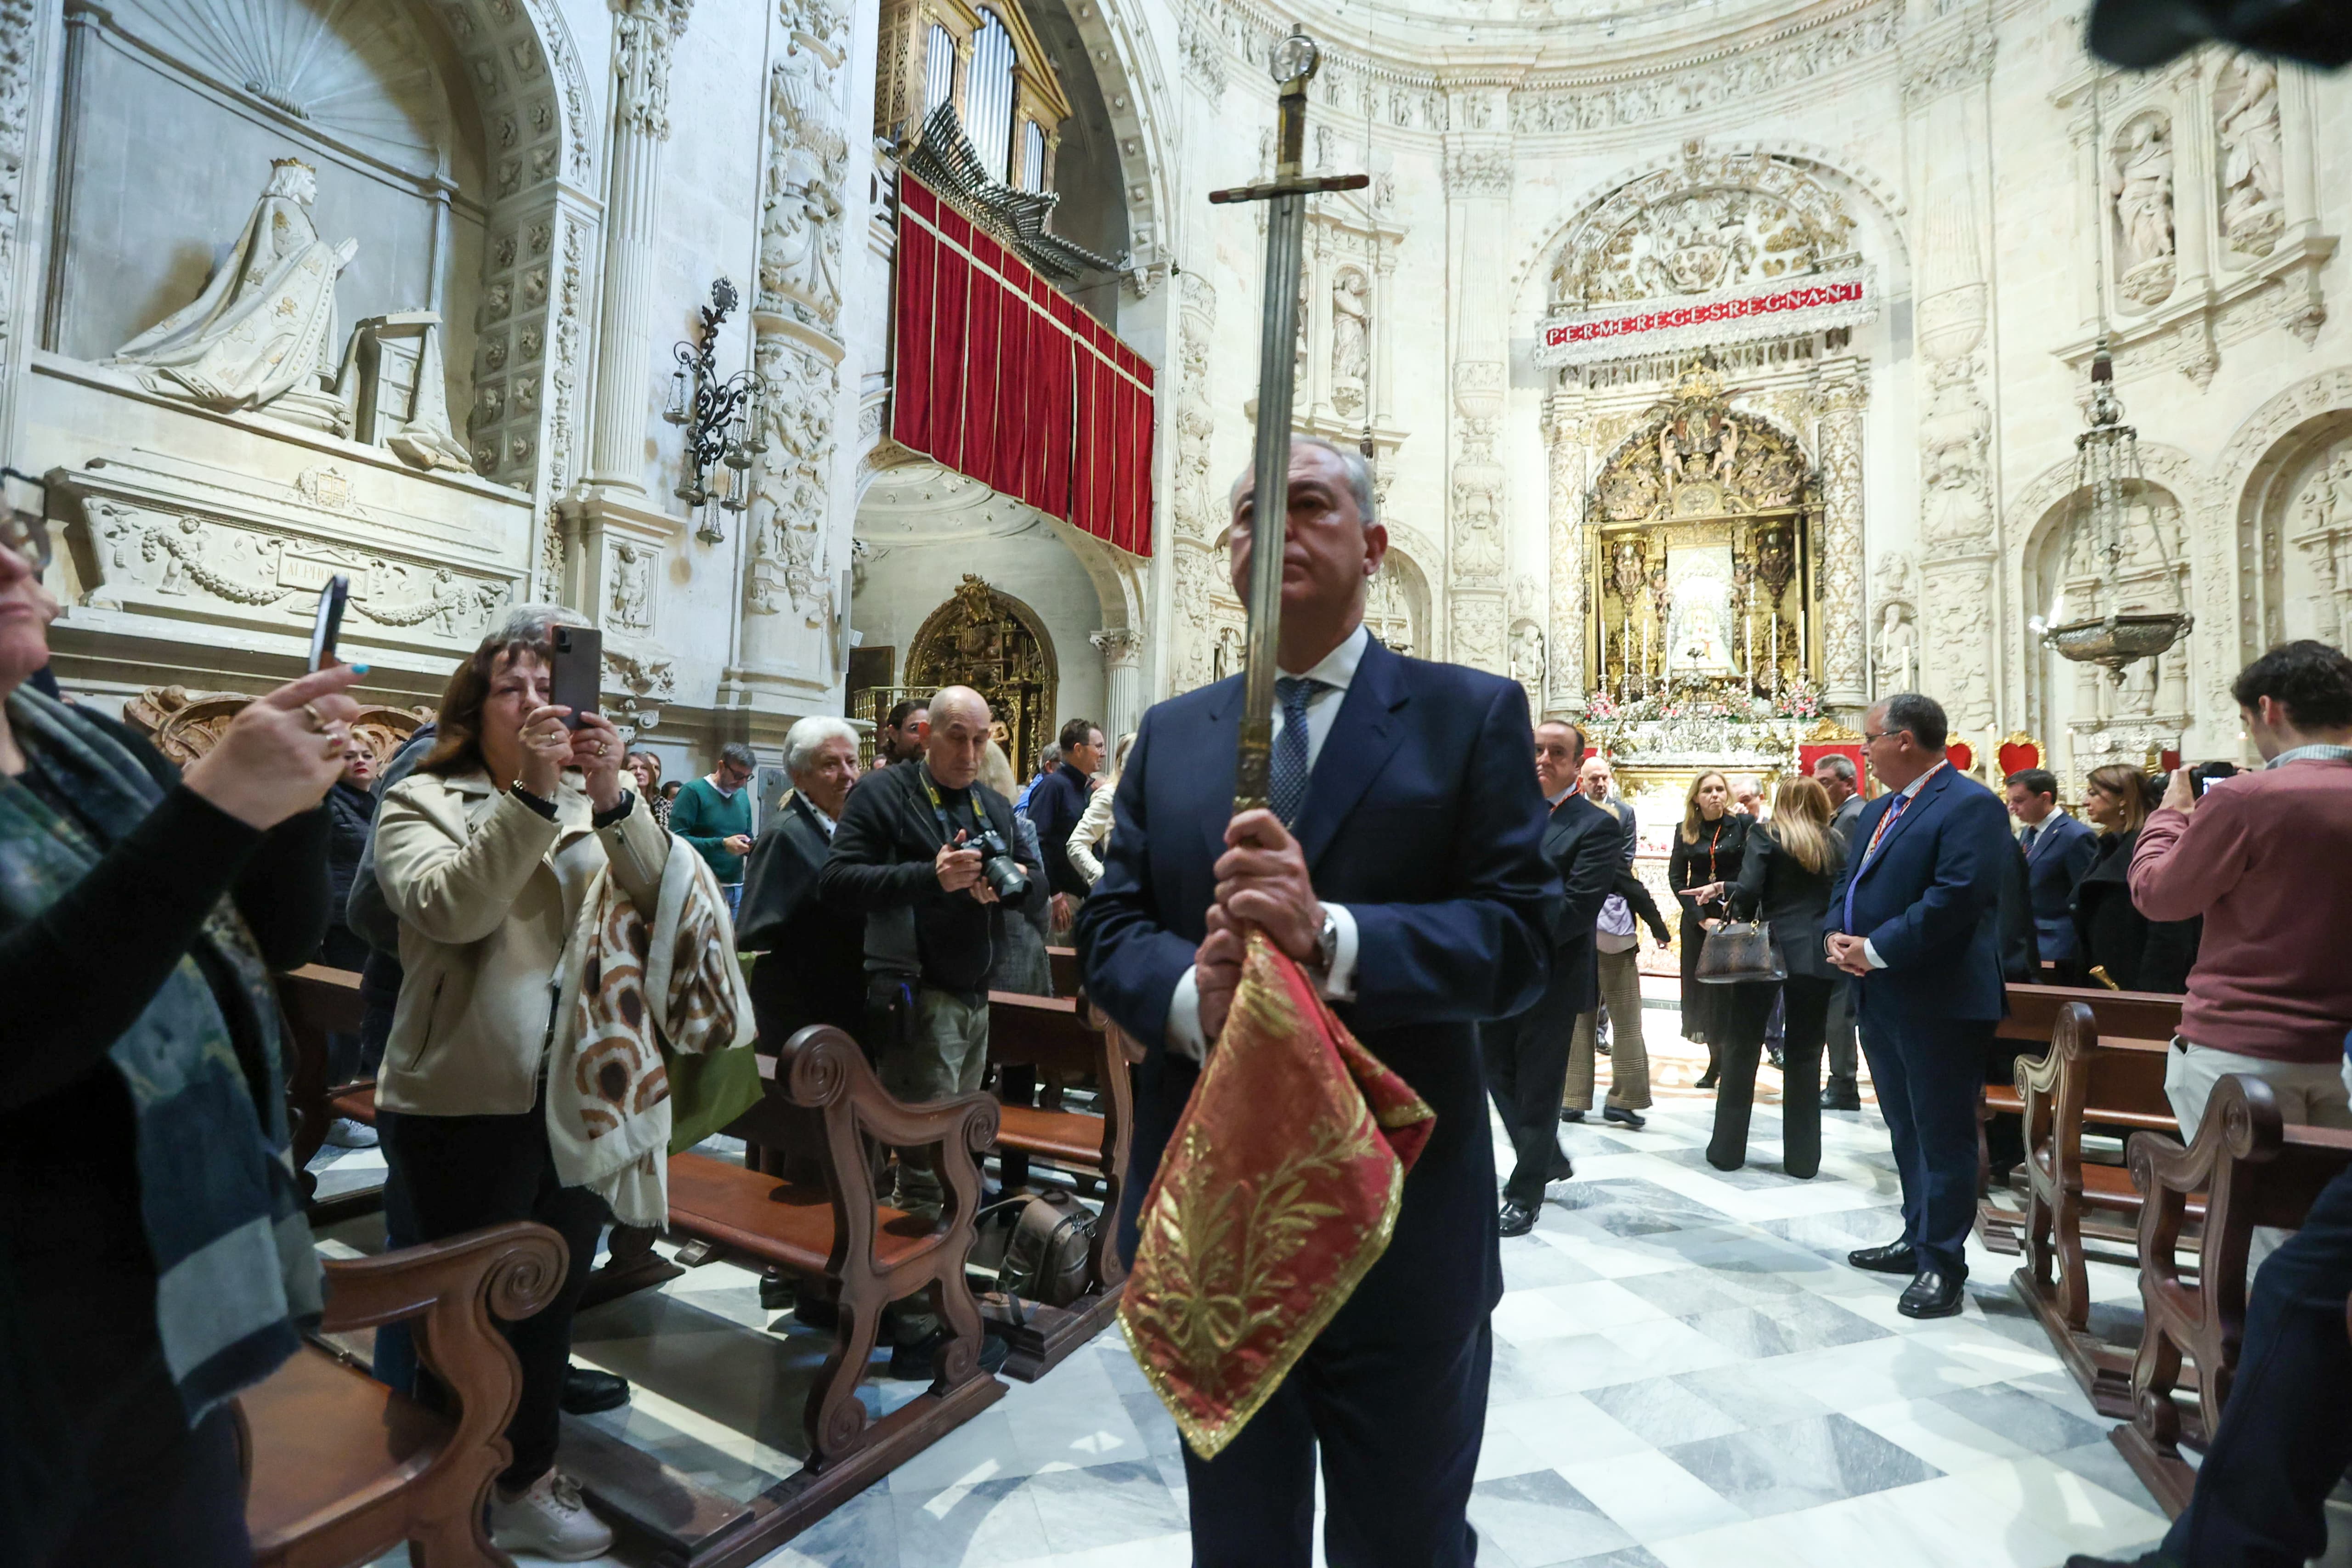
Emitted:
<point x="153" y="1243"/>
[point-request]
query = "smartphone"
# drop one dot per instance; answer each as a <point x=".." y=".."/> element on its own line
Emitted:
<point x="579" y="671"/>
<point x="328" y="623"/>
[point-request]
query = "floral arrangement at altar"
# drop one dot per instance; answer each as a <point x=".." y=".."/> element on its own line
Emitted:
<point x="1798" y="699"/>
<point x="1721" y="721"/>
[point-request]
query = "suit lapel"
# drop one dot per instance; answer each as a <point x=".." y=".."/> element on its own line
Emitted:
<point x="1219" y="751"/>
<point x="1911" y="813"/>
<point x="1364" y="732"/>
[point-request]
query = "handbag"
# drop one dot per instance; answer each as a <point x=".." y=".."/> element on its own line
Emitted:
<point x="1739" y="951"/>
<point x="708" y="1092"/>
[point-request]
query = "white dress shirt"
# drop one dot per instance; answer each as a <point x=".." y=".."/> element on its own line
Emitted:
<point x="1336" y="672"/>
<point x="823" y="821"/>
<point x="1910" y="792"/>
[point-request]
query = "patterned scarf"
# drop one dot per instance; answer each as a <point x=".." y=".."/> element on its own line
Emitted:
<point x="236" y="1274"/>
<point x="632" y="989"/>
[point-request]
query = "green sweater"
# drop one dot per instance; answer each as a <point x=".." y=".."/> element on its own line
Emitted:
<point x="704" y="817"/>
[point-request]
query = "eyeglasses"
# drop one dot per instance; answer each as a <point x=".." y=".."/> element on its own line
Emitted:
<point x="1870" y="739"/>
<point x="24" y="532"/>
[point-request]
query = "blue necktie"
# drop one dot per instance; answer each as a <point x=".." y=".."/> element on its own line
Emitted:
<point x="1286" y="783"/>
<point x="2030" y="835"/>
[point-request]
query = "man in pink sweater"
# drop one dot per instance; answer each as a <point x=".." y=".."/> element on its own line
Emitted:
<point x="2263" y="858"/>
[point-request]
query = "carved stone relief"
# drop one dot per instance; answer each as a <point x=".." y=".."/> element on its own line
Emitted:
<point x="1708" y="222"/>
<point x="2253" y="165"/>
<point x="2139" y="184"/>
<point x="1843" y="395"/>
<point x="16" y="38"/>
<point x="790" y="512"/>
<point x="2320" y="534"/>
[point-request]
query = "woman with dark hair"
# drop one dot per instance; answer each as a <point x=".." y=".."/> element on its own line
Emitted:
<point x="1792" y="863"/>
<point x="2117" y="944"/>
<point x="488" y="853"/>
<point x="1703" y="863"/>
<point x="153" y="1259"/>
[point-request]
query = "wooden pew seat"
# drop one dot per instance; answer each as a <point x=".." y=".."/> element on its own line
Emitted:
<point x="2254" y="1170"/>
<point x="790" y="1224"/>
<point x="340" y="1469"/>
<point x="1065" y="1137"/>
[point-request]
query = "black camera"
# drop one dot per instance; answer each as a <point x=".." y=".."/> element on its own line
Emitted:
<point x="1003" y="873"/>
<point x="2199" y="776"/>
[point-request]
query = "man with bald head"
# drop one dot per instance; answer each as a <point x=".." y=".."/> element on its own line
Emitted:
<point x="909" y="855"/>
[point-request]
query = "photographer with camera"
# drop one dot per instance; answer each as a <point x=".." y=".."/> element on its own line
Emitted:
<point x="2260" y="857"/>
<point x="921" y="852"/>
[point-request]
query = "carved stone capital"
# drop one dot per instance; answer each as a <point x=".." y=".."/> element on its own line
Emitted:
<point x="1477" y="172"/>
<point x="1122" y="646"/>
<point x="644" y="32"/>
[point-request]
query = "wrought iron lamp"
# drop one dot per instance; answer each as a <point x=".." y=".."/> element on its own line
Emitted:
<point x="2106" y="479"/>
<point x="725" y="419"/>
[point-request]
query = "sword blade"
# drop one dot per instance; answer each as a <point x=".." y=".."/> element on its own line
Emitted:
<point x="1286" y="230"/>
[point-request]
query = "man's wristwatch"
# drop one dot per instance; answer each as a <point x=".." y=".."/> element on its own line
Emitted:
<point x="1327" y="941"/>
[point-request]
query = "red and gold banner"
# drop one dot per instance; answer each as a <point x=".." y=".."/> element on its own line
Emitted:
<point x="998" y="375"/>
<point x="1279" y="1191"/>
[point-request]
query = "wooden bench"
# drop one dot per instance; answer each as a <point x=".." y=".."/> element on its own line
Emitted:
<point x="2254" y="1170"/>
<point x="2084" y="1081"/>
<point x="1064" y="1038"/>
<point x="1063" y="962"/>
<point x="2033" y="1019"/>
<point x="339" y="1467"/>
<point x="831" y="1233"/>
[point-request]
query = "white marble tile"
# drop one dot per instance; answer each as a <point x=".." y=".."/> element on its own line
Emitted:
<point x="1650" y="1497"/>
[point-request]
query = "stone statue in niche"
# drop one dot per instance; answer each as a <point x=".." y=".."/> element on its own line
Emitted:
<point x="2141" y="187"/>
<point x="2253" y="216"/>
<point x="1528" y="657"/>
<point x="632" y="585"/>
<point x="263" y="331"/>
<point x="1350" y="340"/>
<point x="1898" y="650"/>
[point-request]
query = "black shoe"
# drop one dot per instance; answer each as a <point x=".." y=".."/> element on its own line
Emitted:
<point x="1933" y="1295"/>
<point x="1562" y="1169"/>
<point x="775" y="1291"/>
<point x="1622" y="1114"/>
<point x="1773" y="1053"/>
<point x="1895" y="1257"/>
<point x="1569" y="1113"/>
<point x="1517" y="1219"/>
<point x="587" y="1391"/>
<point x="1707" y="1078"/>
<point x="1841" y="1094"/>
<point x="919" y="1359"/>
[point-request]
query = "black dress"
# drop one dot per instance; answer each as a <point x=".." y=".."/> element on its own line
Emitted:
<point x="1716" y="858"/>
<point x="2137" y="954"/>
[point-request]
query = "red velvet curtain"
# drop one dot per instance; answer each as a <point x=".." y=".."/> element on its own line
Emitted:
<point x="1000" y="376"/>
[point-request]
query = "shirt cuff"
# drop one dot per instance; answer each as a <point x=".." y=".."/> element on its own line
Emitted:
<point x="545" y="808"/>
<point x="1870" y="954"/>
<point x="1182" y="1036"/>
<point x="1339" y="986"/>
<point x="621" y="809"/>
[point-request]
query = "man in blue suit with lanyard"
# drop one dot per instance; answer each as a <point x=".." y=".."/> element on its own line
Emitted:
<point x="1913" y="918"/>
<point x="1400" y="795"/>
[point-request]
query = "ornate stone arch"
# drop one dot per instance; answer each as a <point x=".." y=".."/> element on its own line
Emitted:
<point x="985" y="639"/>
<point x="1862" y="189"/>
<point x="2270" y="450"/>
<point x="1126" y="69"/>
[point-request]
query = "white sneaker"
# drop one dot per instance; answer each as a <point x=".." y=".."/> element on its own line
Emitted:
<point x="547" y="1519"/>
<point x="346" y="1133"/>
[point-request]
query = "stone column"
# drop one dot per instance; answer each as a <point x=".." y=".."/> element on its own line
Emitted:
<point x="1566" y="681"/>
<point x="2193" y="182"/>
<point x="644" y="32"/>
<point x="1844" y="390"/>
<point x="1477" y="174"/>
<point x="1122" y="651"/>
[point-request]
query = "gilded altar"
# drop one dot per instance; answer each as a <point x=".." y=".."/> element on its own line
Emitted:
<point x="1704" y="557"/>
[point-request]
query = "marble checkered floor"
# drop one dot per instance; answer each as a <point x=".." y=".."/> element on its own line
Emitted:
<point x="1686" y="1375"/>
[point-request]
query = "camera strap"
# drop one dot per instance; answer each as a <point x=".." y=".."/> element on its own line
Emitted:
<point x="940" y="809"/>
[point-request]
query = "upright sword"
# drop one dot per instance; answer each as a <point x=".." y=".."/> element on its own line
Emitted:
<point x="1292" y="64"/>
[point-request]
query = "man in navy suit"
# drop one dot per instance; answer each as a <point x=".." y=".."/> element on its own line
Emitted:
<point x="1389" y="802"/>
<point x="2058" y="850"/>
<point x="1914" y="918"/>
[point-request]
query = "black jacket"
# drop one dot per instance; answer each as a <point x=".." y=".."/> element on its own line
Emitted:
<point x="882" y="864"/>
<point x="2020" y="948"/>
<point x="2137" y="954"/>
<point x="1586" y="846"/>
<point x="1055" y="808"/>
<point x="1715" y="857"/>
<point x="1774" y="886"/>
<point x="812" y="964"/>
<point x="350" y="812"/>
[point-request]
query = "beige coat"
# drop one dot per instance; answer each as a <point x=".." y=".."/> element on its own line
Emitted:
<point x="487" y="891"/>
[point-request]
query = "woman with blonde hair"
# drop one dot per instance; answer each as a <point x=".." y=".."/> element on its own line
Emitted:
<point x="2117" y="945"/>
<point x="1790" y="868"/>
<point x="1092" y="836"/>
<point x="1703" y="863"/>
